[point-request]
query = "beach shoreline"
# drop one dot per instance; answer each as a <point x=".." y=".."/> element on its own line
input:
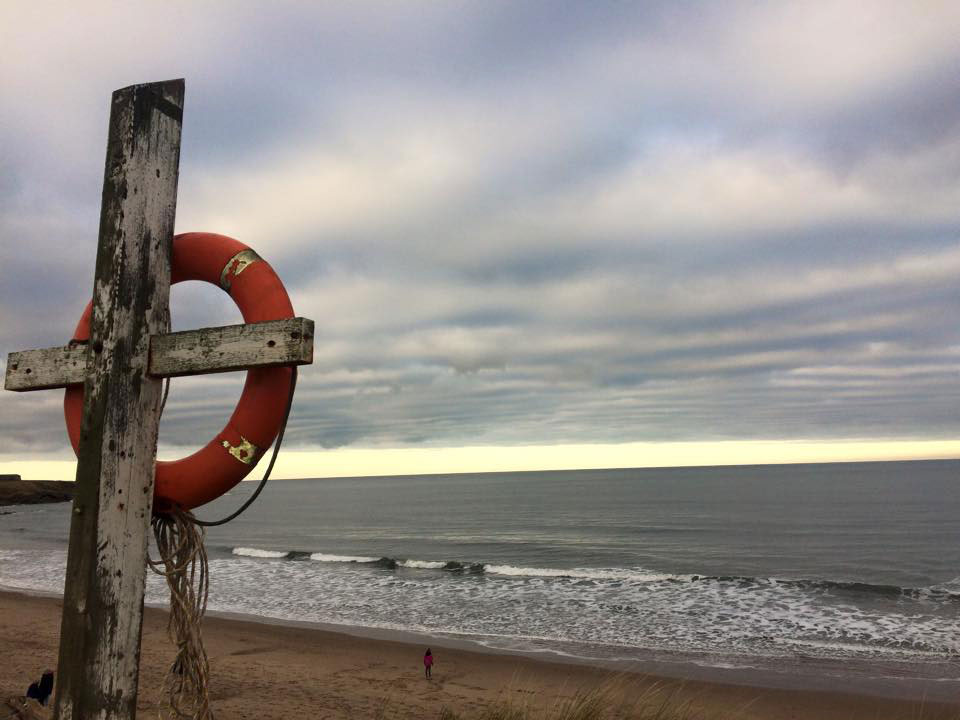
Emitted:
<point x="792" y="674"/>
<point x="796" y="674"/>
<point x="265" y="669"/>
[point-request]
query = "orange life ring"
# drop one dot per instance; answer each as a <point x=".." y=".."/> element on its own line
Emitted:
<point x="232" y="454"/>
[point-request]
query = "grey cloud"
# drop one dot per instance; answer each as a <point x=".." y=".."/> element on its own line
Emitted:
<point x="531" y="223"/>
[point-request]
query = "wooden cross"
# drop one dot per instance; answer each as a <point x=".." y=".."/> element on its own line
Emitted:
<point x="122" y="368"/>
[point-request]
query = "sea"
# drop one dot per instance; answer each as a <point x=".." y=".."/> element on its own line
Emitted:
<point x="820" y="575"/>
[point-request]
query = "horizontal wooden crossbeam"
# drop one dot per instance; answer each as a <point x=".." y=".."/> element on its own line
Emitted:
<point x="192" y="352"/>
<point x="232" y="347"/>
<point x="46" y="369"/>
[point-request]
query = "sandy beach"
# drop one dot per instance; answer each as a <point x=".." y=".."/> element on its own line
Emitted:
<point x="274" y="671"/>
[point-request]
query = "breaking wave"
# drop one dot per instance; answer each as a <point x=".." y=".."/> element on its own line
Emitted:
<point x="946" y="592"/>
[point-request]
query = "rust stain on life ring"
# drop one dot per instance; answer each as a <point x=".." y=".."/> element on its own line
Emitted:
<point x="236" y="265"/>
<point x="246" y="452"/>
<point x="211" y="471"/>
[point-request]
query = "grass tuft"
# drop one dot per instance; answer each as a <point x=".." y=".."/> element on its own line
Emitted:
<point x="618" y="700"/>
<point x="658" y="702"/>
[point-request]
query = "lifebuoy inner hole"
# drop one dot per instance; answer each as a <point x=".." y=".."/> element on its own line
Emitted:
<point x="195" y="304"/>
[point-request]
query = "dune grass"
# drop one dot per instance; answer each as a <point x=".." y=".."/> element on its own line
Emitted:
<point x="607" y="702"/>
<point x="657" y="702"/>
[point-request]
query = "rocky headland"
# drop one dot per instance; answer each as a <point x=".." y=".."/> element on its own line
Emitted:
<point x="14" y="491"/>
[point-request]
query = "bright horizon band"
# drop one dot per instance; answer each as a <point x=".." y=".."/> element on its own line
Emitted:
<point x="348" y="461"/>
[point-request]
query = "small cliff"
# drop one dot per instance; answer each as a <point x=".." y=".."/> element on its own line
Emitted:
<point x="14" y="491"/>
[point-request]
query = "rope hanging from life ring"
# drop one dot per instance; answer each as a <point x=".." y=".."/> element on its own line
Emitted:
<point x="260" y="418"/>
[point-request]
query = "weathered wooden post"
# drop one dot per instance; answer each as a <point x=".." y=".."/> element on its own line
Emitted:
<point x="98" y="668"/>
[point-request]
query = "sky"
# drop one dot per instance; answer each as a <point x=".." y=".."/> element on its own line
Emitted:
<point x="531" y="234"/>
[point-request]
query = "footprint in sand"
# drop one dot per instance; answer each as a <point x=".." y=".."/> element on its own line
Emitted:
<point x="256" y="650"/>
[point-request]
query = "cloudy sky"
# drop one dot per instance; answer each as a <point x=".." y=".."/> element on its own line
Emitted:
<point x="530" y="233"/>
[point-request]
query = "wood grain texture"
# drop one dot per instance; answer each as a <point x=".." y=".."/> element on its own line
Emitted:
<point x="46" y="369"/>
<point x="192" y="352"/>
<point x="103" y="595"/>
<point x="232" y="347"/>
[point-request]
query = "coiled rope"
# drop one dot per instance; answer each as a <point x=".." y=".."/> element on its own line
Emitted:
<point x="183" y="564"/>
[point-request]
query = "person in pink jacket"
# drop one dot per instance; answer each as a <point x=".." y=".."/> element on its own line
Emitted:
<point x="427" y="662"/>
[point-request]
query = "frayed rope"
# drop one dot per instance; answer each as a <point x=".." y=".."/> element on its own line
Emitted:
<point x="183" y="563"/>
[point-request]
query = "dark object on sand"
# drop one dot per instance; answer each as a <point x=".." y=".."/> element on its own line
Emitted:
<point x="40" y="691"/>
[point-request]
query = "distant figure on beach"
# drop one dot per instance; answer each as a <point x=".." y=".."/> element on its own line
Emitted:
<point x="40" y="691"/>
<point x="427" y="662"/>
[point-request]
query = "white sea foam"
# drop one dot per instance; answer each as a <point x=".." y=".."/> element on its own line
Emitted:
<point x="606" y="618"/>
<point x="950" y="586"/>
<point x="582" y="573"/>
<point x="423" y="564"/>
<point x="257" y="552"/>
<point x="855" y="648"/>
<point x="324" y="557"/>
<point x="610" y="618"/>
<point x="722" y="665"/>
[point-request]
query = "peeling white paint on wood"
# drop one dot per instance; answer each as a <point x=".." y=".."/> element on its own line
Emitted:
<point x="121" y="368"/>
<point x="106" y="568"/>
<point x="192" y="352"/>
<point x="233" y="347"/>
<point x="46" y="369"/>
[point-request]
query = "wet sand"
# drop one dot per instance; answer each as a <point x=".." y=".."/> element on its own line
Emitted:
<point x="276" y="671"/>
